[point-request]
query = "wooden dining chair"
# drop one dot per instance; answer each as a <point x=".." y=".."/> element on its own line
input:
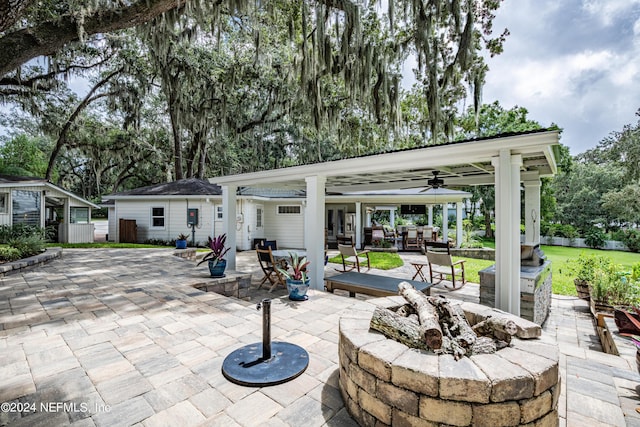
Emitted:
<point x="270" y="268"/>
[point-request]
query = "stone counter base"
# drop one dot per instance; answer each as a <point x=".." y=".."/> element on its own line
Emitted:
<point x="384" y="382"/>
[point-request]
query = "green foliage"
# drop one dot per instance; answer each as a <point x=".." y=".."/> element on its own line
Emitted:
<point x="18" y="231"/>
<point x="579" y="195"/>
<point x="623" y="204"/>
<point x="631" y="238"/>
<point x="469" y="239"/>
<point x="24" y="156"/>
<point x="595" y="238"/>
<point x="493" y="119"/>
<point x="21" y="241"/>
<point x="28" y="245"/>
<point x="614" y="286"/>
<point x="586" y="265"/>
<point x="9" y="253"/>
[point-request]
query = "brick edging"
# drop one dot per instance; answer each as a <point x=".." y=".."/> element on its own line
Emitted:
<point x="21" y="264"/>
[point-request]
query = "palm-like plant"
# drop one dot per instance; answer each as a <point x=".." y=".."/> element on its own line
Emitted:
<point x="299" y="267"/>
<point x="217" y="248"/>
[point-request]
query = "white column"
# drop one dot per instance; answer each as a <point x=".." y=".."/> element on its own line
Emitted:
<point x="430" y="208"/>
<point x="367" y="221"/>
<point x="507" y="176"/>
<point x="458" y="223"/>
<point x="392" y="218"/>
<point x="358" y="224"/>
<point x="229" y="222"/>
<point x="532" y="211"/>
<point x="314" y="229"/>
<point x="445" y="222"/>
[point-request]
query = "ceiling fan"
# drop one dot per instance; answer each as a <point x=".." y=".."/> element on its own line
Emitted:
<point x="435" y="182"/>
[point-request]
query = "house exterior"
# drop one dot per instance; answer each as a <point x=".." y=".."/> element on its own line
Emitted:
<point x="161" y="212"/>
<point x="35" y="201"/>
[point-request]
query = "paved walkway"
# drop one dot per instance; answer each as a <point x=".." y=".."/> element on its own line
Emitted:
<point x="113" y="337"/>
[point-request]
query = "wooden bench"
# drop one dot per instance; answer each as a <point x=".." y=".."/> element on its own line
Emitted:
<point x="371" y="284"/>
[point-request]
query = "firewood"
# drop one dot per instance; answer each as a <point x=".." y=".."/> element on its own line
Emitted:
<point x="499" y="328"/>
<point x="426" y="313"/>
<point x="458" y="324"/>
<point x="397" y="327"/>
<point x="405" y="310"/>
<point x="484" y="345"/>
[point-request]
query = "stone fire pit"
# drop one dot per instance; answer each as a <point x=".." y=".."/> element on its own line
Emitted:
<point x="384" y="382"/>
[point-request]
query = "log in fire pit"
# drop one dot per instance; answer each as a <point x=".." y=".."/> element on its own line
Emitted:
<point x="419" y="360"/>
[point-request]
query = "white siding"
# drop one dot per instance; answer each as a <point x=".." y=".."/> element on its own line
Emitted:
<point x="287" y="229"/>
<point x="112" y="231"/>
<point x="175" y="219"/>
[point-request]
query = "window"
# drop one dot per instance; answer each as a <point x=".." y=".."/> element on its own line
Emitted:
<point x="219" y="212"/>
<point x="4" y="202"/>
<point x="258" y="217"/>
<point x="26" y="207"/>
<point x="289" y="210"/>
<point x="157" y="217"/>
<point x="79" y="215"/>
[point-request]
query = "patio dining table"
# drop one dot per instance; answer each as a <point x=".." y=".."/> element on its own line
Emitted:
<point x="285" y="254"/>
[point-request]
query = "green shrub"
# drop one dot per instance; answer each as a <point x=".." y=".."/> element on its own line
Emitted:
<point x="586" y="266"/>
<point x="568" y="231"/>
<point x="631" y="238"/>
<point x="18" y="231"/>
<point x="595" y="238"/>
<point x="28" y="246"/>
<point x="8" y="253"/>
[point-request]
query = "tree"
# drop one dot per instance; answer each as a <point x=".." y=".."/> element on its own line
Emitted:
<point x="620" y="148"/>
<point x="30" y="31"/>
<point x="579" y="195"/>
<point x="492" y="120"/>
<point x="623" y="204"/>
<point x="24" y="156"/>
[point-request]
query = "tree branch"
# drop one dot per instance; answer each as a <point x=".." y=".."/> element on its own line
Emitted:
<point x="47" y="38"/>
<point x="63" y="133"/>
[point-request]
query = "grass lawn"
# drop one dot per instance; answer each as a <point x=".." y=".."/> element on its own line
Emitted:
<point x="559" y="257"/>
<point x="379" y="260"/>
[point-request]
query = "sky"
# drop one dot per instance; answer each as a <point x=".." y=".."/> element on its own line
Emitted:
<point x="575" y="63"/>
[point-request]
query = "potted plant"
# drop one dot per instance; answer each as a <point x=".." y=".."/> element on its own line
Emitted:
<point x="297" y="280"/>
<point x="181" y="241"/>
<point x="215" y="257"/>
<point x="584" y="268"/>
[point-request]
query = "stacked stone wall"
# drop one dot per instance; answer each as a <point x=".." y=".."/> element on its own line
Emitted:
<point x="385" y="383"/>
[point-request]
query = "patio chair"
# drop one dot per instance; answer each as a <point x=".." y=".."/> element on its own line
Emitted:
<point x="412" y="241"/>
<point x="344" y="240"/>
<point x="377" y="235"/>
<point x="352" y="259"/>
<point x="270" y="268"/>
<point x="441" y="264"/>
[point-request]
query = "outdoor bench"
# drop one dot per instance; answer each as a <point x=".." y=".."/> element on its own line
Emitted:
<point x="371" y="284"/>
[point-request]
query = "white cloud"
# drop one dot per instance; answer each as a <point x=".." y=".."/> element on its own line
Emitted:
<point x="607" y="11"/>
<point x="573" y="63"/>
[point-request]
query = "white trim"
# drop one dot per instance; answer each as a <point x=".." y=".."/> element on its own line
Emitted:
<point x="297" y="206"/>
<point x="152" y="216"/>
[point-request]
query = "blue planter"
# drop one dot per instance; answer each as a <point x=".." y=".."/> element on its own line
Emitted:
<point x="181" y="244"/>
<point x="217" y="267"/>
<point x="298" y="289"/>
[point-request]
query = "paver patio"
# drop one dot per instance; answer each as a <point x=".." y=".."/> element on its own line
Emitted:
<point x="115" y="337"/>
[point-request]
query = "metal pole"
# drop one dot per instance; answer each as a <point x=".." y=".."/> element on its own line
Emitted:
<point x="266" y="329"/>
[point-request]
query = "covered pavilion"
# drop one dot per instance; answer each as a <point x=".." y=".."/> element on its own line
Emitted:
<point x="506" y="161"/>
